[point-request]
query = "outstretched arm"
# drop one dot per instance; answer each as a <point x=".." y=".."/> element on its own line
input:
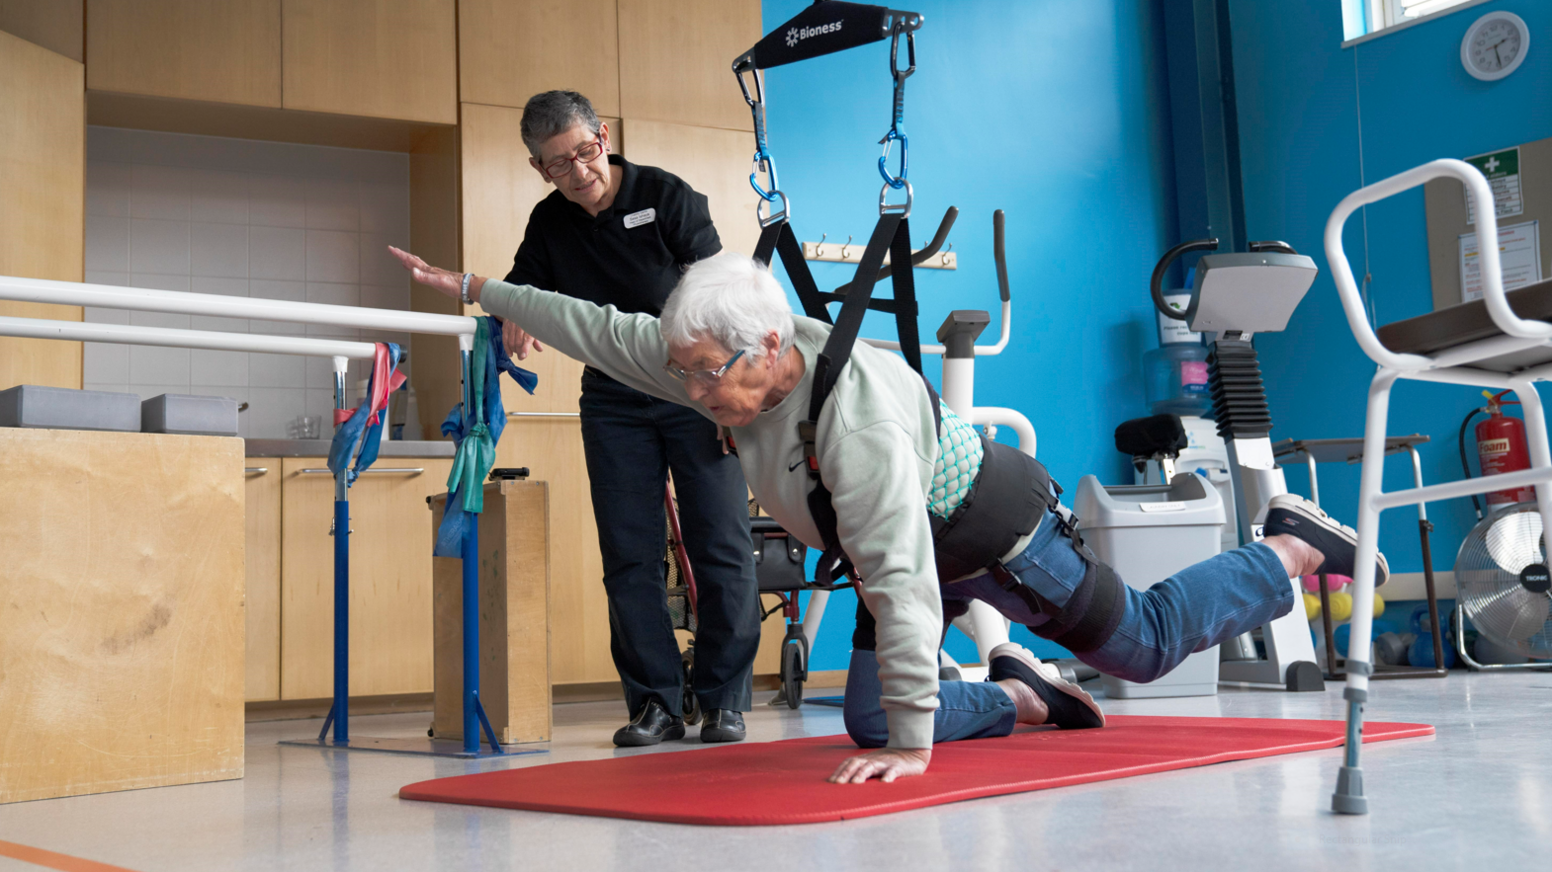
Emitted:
<point x="630" y="348"/>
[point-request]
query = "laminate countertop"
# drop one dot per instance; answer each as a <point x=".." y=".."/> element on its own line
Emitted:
<point x="320" y="448"/>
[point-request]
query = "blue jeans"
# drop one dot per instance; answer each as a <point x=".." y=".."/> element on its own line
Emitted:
<point x="631" y="441"/>
<point x="1193" y="610"/>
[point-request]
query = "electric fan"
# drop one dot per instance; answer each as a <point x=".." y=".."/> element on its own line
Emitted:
<point x="1502" y="581"/>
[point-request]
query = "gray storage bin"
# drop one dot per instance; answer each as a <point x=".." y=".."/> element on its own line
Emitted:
<point x="1147" y="533"/>
<point x="68" y="409"/>
<point x="189" y="415"/>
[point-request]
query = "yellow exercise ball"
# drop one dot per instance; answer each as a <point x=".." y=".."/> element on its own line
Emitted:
<point x="1311" y="607"/>
<point x="1341" y="606"/>
<point x="1379" y="605"/>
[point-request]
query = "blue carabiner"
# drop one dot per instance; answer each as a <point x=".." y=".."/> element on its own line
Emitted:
<point x="764" y="161"/>
<point x="896" y="182"/>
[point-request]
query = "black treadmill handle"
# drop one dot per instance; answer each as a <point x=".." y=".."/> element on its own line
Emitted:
<point x="999" y="253"/>
<point x="1157" y="285"/>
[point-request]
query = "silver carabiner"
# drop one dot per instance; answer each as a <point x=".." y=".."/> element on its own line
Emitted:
<point x="885" y="207"/>
<point x="773" y="216"/>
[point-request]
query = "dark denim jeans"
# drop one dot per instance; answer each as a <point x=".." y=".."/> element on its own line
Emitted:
<point x="631" y="441"/>
<point x="1192" y="610"/>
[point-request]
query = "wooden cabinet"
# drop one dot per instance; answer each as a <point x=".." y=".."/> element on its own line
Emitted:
<point x="509" y="51"/>
<point x="261" y="482"/>
<point x="676" y="60"/>
<point x="227" y="52"/>
<point x="551" y="448"/>
<point x="378" y="58"/>
<point x="42" y="201"/>
<point x="57" y="25"/>
<point x="514" y="583"/>
<point x="715" y="163"/>
<point x="390" y="577"/>
<point x="121" y="623"/>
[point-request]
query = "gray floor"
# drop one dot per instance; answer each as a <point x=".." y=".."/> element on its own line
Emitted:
<point x="1479" y="796"/>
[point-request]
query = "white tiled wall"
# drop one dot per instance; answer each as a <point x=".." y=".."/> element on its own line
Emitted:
<point x="243" y="218"/>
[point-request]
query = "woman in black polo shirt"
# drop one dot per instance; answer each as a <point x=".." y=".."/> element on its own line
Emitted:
<point x="620" y="234"/>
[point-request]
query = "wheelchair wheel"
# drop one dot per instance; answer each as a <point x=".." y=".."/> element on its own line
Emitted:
<point x="689" y="704"/>
<point x="791" y="674"/>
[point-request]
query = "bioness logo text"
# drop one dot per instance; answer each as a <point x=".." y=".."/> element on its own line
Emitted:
<point x="1493" y="446"/>
<point x="796" y="35"/>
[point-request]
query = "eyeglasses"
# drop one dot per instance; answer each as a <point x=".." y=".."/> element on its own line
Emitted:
<point x="561" y="167"/>
<point x="706" y="378"/>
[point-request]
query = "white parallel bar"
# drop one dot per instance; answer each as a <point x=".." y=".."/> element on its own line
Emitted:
<point x="544" y="414"/>
<point x="82" y="331"/>
<point x="1464" y="488"/>
<point x="178" y="302"/>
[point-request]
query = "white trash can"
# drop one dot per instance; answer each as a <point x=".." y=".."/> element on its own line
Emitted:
<point x="1147" y="533"/>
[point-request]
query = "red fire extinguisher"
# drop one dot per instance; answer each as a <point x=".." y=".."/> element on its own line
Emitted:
<point x="1501" y="447"/>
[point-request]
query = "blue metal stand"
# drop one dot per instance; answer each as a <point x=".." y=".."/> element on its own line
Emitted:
<point x="339" y="713"/>
<point x="474" y="719"/>
<point x="473" y="712"/>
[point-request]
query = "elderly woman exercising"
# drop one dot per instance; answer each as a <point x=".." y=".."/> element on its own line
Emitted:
<point x="930" y="513"/>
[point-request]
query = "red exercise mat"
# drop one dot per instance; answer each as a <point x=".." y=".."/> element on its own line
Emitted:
<point x="765" y="783"/>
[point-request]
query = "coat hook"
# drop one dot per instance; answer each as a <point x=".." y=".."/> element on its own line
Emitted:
<point x="944" y="257"/>
<point x="846" y="247"/>
<point x="819" y="246"/>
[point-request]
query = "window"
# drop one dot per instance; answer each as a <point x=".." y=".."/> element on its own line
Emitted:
<point x="1366" y="17"/>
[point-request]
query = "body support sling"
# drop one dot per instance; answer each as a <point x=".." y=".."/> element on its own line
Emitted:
<point x="1012" y="491"/>
<point x="1009" y="496"/>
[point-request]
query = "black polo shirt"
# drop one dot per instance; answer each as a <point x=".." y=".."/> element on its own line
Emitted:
<point x="631" y="255"/>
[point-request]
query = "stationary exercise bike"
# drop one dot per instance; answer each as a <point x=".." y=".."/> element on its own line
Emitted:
<point x="1235" y="296"/>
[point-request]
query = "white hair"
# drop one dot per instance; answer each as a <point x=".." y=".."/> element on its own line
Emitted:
<point x="731" y="299"/>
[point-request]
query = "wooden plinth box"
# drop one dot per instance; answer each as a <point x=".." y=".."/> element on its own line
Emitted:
<point x="121" y="611"/>
<point x="514" y="617"/>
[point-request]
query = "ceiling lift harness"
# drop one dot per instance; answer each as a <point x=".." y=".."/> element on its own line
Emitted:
<point x="1013" y="490"/>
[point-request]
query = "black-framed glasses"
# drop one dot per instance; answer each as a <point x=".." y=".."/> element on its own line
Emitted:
<point x="706" y="378"/>
<point x="561" y="167"/>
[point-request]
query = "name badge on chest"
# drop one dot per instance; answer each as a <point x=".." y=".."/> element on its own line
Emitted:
<point x="636" y="219"/>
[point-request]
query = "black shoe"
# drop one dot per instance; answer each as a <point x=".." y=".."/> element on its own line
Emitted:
<point x="1070" y="706"/>
<point x="1297" y="516"/>
<point x="723" y="725"/>
<point x="650" y="726"/>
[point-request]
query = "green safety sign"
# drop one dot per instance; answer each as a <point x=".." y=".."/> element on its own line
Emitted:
<point x="1498" y="164"/>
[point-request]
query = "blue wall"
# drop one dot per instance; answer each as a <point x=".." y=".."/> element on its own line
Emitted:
<point x="1054" y="111"/>
<point x="1298" y="96"/>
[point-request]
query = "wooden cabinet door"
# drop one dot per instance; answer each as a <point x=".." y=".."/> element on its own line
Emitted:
<point x="42" y="200"/>
<point x="378" y="58"/>
<point x="226" y="52"/>
<point x="715" y="163"/>
<point x="262" y="602"/>
<point x="390" y="577"/>
<point x="510" y="51"/>
<point x="551" y="448"/>
<point x="676" y="60"/>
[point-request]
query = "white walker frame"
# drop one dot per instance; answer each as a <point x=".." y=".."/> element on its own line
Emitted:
<point x="1450" y="366"/>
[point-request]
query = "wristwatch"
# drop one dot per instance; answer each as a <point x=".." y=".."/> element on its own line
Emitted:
<point x="464" y="294"/>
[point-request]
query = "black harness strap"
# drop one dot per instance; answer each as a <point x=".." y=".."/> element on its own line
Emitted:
<point x="778" y="238"/>
<point x="892" y="233"/>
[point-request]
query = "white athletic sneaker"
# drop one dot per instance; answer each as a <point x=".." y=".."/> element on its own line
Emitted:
<point x="1297" y="516"/>
<point x="1070" y="706"/>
